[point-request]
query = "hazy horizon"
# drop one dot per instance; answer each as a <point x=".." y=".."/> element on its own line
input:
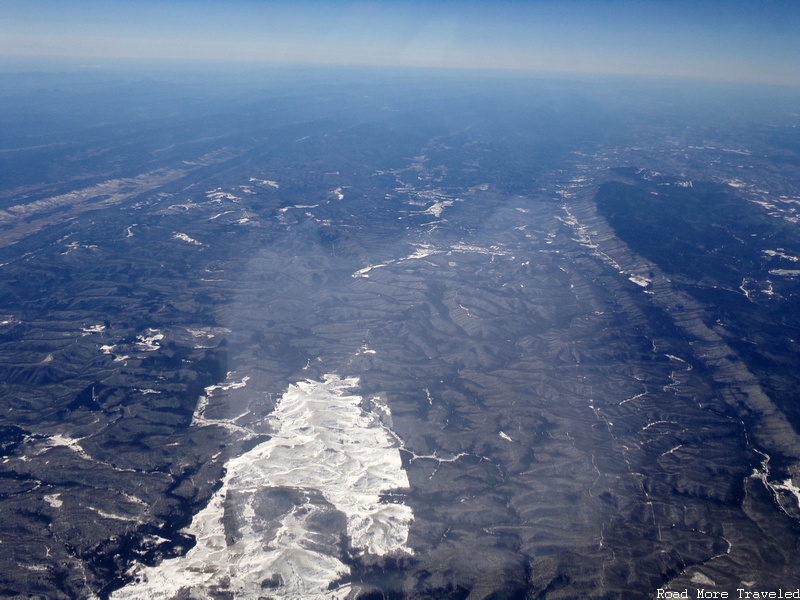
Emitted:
<point x="742" y="42"/>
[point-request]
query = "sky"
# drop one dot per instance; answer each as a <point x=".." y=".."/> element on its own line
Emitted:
<point x="755" y="41"/>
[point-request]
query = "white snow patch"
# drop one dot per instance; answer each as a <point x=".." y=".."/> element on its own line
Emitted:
<point x="365" y="271"/>
<point x="202" y="403"/>
<point x="112" y="516"/>
<point x="422" y="250"/>
<point x="93" y="329"/>
<point x="779" y="253"/>
<point x="185" y="238"/>
<point x="75" y="245"/>
<point x="53" y="500"/>
<point x="217" y="195"/>
<point x="700" y="579"/>
<point x="266" y="182"/>
<point x="286" y="209"/>
<point x="324" y="442"/>
<point x="470" y="248"/>
<point x="59" y="440"/>
<point x="149" y="342"/>
<point x="437" y="208"/>
<point x="790" y="487"/>
<point x="736" y="151"/>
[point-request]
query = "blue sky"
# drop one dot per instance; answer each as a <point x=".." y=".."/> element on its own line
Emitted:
<point x="732" y="40"/>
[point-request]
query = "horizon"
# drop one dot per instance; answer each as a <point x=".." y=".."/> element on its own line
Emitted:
<point x="728" y="42"/>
